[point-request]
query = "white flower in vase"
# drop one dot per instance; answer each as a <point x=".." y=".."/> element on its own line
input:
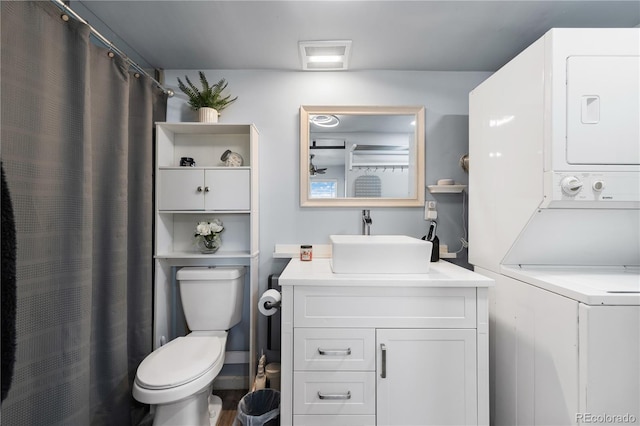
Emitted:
<point x="208" y="235"/>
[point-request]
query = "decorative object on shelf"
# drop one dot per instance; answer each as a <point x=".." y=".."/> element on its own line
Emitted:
<point x="232" y="159"/>
<point x="446" y="181"/>
<point x="187" y="162"/>
<point x="208" y="101"/>
<point x="207" y="236"/>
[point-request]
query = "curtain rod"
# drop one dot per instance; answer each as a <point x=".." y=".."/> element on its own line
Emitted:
<point x="110" y="45"/>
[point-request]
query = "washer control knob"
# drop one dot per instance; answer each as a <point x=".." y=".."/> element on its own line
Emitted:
<point x="571" y="185"/>
<point x="598" y="185"/>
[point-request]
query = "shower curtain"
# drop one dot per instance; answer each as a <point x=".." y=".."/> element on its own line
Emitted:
<point x="76" y="146"/>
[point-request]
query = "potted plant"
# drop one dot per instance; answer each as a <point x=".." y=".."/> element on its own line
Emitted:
<point x="209" y="100"/>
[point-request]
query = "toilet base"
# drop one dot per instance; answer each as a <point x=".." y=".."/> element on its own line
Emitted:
<point x="202" y="409"/>
<point x="215" y="408"/>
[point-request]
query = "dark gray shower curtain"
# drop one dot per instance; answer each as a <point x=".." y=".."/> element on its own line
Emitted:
<point x="76" y="141"/>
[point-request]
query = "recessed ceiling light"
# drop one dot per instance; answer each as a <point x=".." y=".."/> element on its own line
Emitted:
<point x="324" y="55"/>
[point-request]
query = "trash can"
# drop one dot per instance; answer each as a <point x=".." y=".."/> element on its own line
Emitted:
<point x="259" y="408"/>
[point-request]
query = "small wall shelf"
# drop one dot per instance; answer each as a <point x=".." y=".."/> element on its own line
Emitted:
<point x="446" y="189"/>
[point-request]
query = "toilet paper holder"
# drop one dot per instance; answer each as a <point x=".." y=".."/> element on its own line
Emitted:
<point x="268" y="304"/>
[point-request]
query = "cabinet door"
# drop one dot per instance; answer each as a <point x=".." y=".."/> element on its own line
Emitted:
<point x="228" y="189"/>
<point x="180" y="189"/>
<point x="426" y="377"/>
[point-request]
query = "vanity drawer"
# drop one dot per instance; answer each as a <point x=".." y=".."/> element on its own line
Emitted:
<point x="334" y="349"/>
<point x="348" y="392"/>
<point x="326" y="420"/>
<point x="387" y="307"/>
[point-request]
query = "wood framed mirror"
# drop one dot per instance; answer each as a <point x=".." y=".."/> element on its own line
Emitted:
<point x="362" y="156"/>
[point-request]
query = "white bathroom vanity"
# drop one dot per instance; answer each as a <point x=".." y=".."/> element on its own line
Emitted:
<point x="384" y="349"/>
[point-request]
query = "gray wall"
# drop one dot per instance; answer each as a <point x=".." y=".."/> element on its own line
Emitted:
<point x="271" y="100"/>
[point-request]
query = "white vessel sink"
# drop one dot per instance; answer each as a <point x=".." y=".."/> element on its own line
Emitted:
<point x="379" y="254"/>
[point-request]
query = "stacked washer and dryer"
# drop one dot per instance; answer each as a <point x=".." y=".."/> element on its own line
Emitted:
<point x="554" y="208"/>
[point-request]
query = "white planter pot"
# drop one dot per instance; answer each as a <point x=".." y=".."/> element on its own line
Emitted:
<point x="207" y="115"/>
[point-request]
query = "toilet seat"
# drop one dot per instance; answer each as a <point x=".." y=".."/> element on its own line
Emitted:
<point x="209" y="359"/>
<point x="180" y="361"/>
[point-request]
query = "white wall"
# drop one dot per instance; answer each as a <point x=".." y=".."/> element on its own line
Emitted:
<point x="271" y="100"/>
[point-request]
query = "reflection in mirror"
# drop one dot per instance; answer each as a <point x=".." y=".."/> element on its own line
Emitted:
<point x="361" y="156"/>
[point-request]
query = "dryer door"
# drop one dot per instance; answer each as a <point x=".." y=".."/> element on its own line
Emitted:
<point x="603" y="110"/>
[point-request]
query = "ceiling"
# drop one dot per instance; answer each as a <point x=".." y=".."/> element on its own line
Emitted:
<point x="386" y="35"/>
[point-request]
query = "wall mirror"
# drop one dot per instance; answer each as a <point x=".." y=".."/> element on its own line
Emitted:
<point x="363" y="156"/>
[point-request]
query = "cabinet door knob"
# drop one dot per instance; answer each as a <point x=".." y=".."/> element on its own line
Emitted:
<point x="199" y="189"/>
<point x="383" y="366"/>
<point x="334" y="395"/>
<point x="206" y="189"/>
<point x="334" y="352"/>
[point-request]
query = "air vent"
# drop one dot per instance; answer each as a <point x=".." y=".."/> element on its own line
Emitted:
<point x="325" y="55"/>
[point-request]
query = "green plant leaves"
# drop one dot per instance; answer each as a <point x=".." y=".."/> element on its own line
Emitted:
<point x="207" y="96"/>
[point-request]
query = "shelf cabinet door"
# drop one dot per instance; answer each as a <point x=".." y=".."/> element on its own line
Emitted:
<point x="216" y="189"/>
<point x="430" y="377"/>
<point x="181" y="190"/>
<point x="228" y="189"/>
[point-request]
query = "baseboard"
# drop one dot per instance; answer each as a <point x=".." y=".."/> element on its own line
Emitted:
<point x="231" y="382"/>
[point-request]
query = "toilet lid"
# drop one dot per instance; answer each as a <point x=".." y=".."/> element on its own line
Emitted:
<point x="180" y="361"/>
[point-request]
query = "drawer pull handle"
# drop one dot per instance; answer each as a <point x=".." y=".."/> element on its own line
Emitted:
<point x="334" y="395"/>
<point x="206" y="189"/>
<point x="199" y="189"/>
<point x="334" y="352"/>
<point x="383" y="367"/>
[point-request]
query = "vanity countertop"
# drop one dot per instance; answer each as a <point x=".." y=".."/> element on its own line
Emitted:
<point x="318" y="272"/>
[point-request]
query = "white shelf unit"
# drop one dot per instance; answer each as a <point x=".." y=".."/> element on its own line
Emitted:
<point x="209" y="190"/>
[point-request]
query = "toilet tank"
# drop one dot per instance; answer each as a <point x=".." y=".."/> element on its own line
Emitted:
<point x="211" y="296"/>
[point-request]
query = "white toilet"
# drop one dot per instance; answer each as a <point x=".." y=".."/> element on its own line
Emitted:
<point x="177" y="378"/>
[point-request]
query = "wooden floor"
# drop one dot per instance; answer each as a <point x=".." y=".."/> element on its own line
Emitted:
<point x="230" y="399"/>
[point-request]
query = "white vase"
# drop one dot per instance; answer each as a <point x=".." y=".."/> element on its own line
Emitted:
<point x="207" y="115"/>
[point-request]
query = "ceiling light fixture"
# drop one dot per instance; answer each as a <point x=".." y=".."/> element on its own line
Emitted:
<point x="324" y="120"/>
<point x="325" y="58"/>
<point x="325" y="55"/>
